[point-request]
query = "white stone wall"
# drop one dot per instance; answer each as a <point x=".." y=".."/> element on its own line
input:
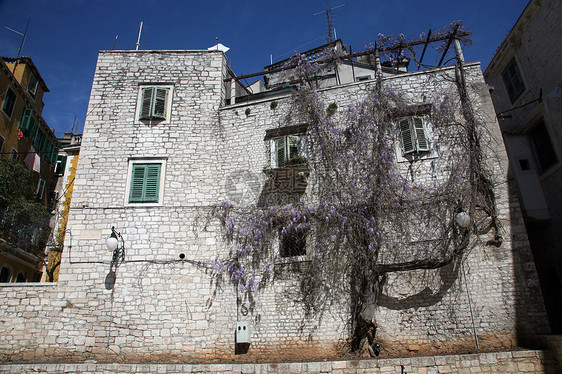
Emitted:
<point x="162" y="307"/>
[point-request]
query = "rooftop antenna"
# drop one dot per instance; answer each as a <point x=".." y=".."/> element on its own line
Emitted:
<point x="115" y="41"/>
<point x="24" y="35"/>
<point x="74" y="129"/>
<point x="329" y="18"/>
<point x="138" y="39"/>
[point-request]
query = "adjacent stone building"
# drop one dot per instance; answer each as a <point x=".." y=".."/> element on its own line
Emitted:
<point x="165" y="140"/>
<point x="526" y="76"/>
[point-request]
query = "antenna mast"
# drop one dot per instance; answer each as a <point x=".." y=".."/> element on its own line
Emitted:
<point x="24" y="35"/>
<point x="138" y="39"/>
<point x="329" y="18"/>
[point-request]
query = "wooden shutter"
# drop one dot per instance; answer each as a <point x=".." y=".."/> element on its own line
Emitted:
<point x="421" y="135"/>
<point x="42" y="142"/>
<point x="159" y="108"/>
<point x="32" y="128"/>
<point x="146" y="103"/>
<point x="137" y="183"/>
<point x="152" y="184"/>
<point x="406" y="136"/>
<point x="54" y="156"/>
<point x="280" y="151"/>
<point x="145" y="183"/>
<point x="25" y="121"/>
<point x="48" y="151"/>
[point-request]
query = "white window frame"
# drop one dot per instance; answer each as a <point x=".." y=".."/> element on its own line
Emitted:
<point x="32" y="90"/>
<point x="431" y="151"/>
<point x="134" y="161"/>
<point x="168" y="104"/>
<point x="285" y="139"/>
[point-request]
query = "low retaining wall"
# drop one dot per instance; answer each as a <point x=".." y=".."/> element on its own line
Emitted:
<point x="523" y="361"/>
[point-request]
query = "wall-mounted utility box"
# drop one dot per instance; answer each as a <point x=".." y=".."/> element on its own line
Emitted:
<point x="242" y="332"/>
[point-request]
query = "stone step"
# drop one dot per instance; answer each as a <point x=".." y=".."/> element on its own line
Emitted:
<point x="517" y="361"/>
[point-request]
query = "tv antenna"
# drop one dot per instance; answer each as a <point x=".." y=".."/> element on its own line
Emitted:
<point x="74" y="129"/>
<point x="24" y="35"/>
<point x="329" y="18"/>
<point x="143" y="36"/>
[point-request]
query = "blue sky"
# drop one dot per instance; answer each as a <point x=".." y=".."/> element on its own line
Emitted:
<point x="64" y="36"/>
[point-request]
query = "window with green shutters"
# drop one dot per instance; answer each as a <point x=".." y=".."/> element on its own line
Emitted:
<point x="413" y="135"/>
<point x="25" y="121"/>
<point x="145" y="183"/>
<point x="9" y="102"/>
<point x="154" y="103"/>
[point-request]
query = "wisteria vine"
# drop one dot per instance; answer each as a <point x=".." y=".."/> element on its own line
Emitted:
<point x="364" y="215"/>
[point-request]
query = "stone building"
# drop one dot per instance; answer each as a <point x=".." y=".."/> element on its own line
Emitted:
<point x="165" y="140"/>
<point x="65" y="170"/>
<point x="526" y="77"/>
<point x="25" y="136"/>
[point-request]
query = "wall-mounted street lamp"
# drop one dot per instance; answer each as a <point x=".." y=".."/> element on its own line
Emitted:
<point x="113" y="244"/>
<point x="463" y="219"/>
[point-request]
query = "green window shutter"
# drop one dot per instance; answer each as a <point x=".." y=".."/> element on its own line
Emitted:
<point x="159" y="109"/>
<point x="25" y="121"/>
<point x="54" y="156"/>
<point x="152" y="183"/>
<point x="48" y="151"/>
<point x="145" y="183"/>
<point x="42" y="142"/>
<point x="280" y="150"/>
<point x="31" y="128"/>
<point x="9" y="102"/>
<point x="37" y="138"/>
<point x="146" y="103"/>
<point x="421" y="135"/>
<point x="406" y="136"/>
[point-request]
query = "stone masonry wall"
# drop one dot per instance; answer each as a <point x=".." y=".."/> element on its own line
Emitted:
<point x="157" y="306"/>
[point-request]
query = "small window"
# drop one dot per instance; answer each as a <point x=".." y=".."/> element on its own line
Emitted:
<point x="542" y="146"/>
<point x="32" y="85"/>
<point x="288" y="150"/>
<point x="512" y="80"/>
<point x="14" y="155"/>
<point x="40" y="189"/>
<point x="413" y="135"/>
<point x="9" y="102"/>
<point x="363" y="78"/>
<point x="292" y="243"/>
<point x="60" y="165"/>
<point x="21" y="277"/>
<point x="5" y="274"/>
<point x="154" y="103"/>
<point x="145" y="183"/>
<point x="1" y="144"/>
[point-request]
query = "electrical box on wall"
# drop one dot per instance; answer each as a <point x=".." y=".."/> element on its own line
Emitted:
<point x="242" y="332"/>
